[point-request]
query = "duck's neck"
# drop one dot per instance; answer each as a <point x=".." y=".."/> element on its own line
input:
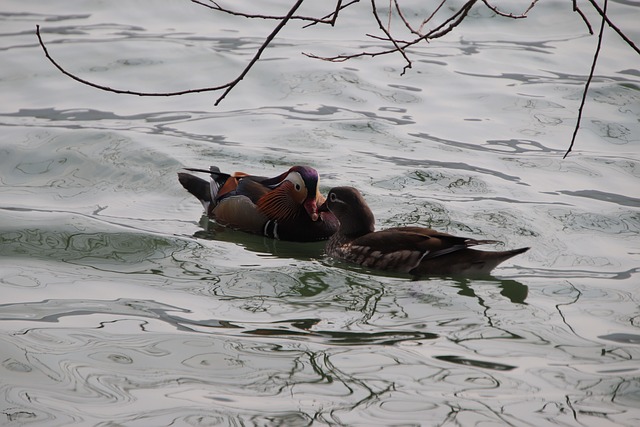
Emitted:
<point x="354" y="226"/>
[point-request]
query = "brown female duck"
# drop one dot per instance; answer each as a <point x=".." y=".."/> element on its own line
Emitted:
<point x="415" y="250"/>
<point x="284" y="207"/>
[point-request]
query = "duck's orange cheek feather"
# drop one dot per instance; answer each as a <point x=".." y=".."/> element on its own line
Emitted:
<point x="278" y="204"/>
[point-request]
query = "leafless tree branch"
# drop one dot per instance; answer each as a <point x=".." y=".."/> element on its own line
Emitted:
<point x="389" y="36"/>
<point x="226" y="87"/>
<point x="509" y="15"/>
<point x="444" y="28"/>
<point x="586" y="86"/>
<point x="430" y="17"/>
<point x="215" y="6"/>
<point x="393" y="43"/>
<point x="110" y="89"/>
<point x="582" y="15"/>
<point x="255" y="58"/>
<point x="603" y="14"/>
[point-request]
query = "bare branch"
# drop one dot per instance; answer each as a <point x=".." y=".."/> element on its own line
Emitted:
<point x="509" y="15"/>
<point x="431" y="16"/>
<point x="582" y="15"/>
<point x="226" y="87"/>
<point x="453" y="21"/>
<point x="255" y="58"/>
<point x="334" y="14"/>
<point x="215" y="6"/>
<point x="120" y="91"/>
<point x="443" y="27"/>
<point x="404" y="20"/>
<point x="604" y="16"/>
<point x="586" y="86"/>
<point x="391" y="39"/>
<point x="447" y="26"/>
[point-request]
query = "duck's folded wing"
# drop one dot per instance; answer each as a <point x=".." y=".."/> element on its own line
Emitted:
<point x="251" y="189"/>
<point x="240" y="213"/>
<point x="439" y="243"/>
<point x="403" y="248"/>
<point x="388" y="250"/>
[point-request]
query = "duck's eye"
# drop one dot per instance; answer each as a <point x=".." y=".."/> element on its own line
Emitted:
<point x="332" y="197"/>
<point x="298" y="184"/>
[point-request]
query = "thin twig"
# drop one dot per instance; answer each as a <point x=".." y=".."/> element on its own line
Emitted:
<point x="448" y="25"/>
<point x="603" y="13"/>
<point x="215" y="6"/>
<point x="586" y="86"/>
<point x="509" y="15"/>
<point x="334" y="14"/>
<point x="337" y="11"/>
<point x="404" y="20"/>
<point x="120" y="91"/>
<point x="444" y="28"/>
<point x="227" y="86"/>
<point x="582" y="15"/>
<point x="255" y="58"/>
<point x="431" y="16"/>
<point x="391" y="39"/>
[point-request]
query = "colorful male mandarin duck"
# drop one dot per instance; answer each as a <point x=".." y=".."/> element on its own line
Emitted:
<point x="284" y="207"/>
<point x="415" y="250"/>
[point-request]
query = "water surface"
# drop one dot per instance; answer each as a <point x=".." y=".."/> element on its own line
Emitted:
<point x="121" y="305"/>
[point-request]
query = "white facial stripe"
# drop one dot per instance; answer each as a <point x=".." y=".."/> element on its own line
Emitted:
<point x="296" y="179"/>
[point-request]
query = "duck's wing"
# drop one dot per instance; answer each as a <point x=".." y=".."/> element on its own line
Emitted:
<point x="404" y="248"/>
<point x="438" y="243"/>
<point x="240" y="213"/>
<point x="386" y="250"/>
<point x="445" y="254"/>
<point x="251" y="189"/>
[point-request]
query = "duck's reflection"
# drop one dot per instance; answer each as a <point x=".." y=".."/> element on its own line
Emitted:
<point x="259" y="244"/>
<point x="513" y="290"/>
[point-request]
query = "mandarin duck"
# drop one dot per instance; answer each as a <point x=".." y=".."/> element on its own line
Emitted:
<point x="284" y="207"/>
<point x="417" y="251"/>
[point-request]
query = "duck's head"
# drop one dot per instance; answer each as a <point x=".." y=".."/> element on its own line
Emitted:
<point x="296" y="187"/>
<point x="348" y="205"/>
<point x="308" y="193"/>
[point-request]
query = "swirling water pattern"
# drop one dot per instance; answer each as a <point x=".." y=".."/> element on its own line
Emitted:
<point x="121" y="306"/>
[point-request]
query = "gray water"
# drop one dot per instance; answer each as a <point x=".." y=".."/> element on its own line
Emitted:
<point x="120" y="305"/>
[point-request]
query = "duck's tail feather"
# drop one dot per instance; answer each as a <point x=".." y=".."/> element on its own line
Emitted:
<point x="217" y="181"/>
<point x="474" y="242"/>
<point x="466" y="262"/>
<point x="198" y="187"/>
<point x="514" y="252"/>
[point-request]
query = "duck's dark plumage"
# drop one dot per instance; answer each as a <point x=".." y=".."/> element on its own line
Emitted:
<point x="283" y="207"/>
<point x="414" y="250"/>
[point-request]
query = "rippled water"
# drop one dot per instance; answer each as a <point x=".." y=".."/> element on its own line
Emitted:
<point x="122" y="306"/>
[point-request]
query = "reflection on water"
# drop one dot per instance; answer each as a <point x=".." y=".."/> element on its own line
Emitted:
<point x="123" y="352"/>
<point x="513" y="146"/>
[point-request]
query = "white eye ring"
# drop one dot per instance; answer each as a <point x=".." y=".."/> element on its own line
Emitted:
<point x="298" y="187"/>
<point x="332" y="197"/>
